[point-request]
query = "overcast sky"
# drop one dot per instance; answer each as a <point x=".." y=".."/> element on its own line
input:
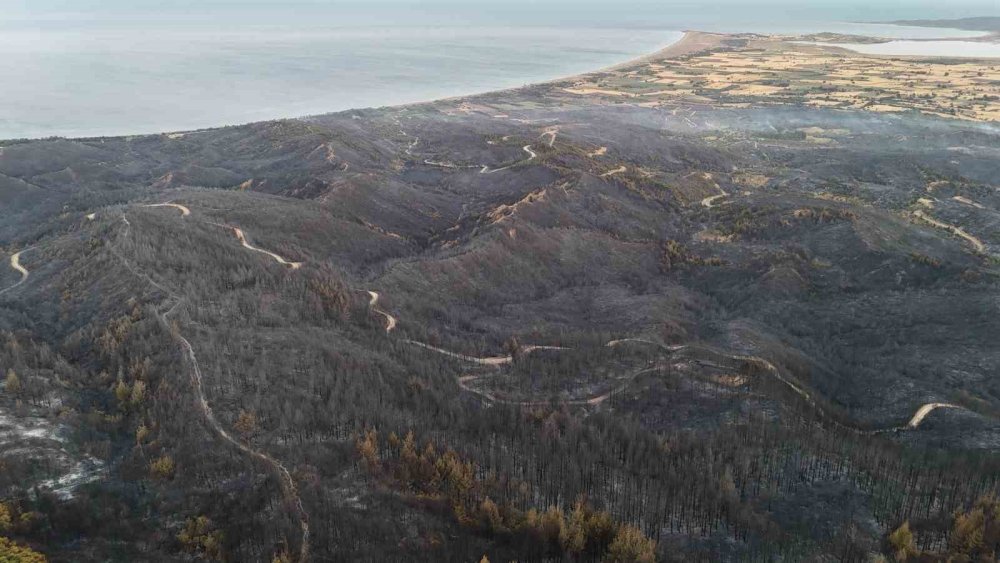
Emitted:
<point x="545" y="11"/>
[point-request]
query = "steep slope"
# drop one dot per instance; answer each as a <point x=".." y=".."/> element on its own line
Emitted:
<point x="406" y="333"/>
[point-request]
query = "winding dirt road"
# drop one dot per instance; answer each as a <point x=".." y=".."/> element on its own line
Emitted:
<point x="620" y="341"/>
<point x="967" y="201"/>
<point x="390" y="321"/>
<point x="526" y="148"/>
<point x="441" y="164"/>
<point x="775" y="373"/>
<point x="490" y="398"/>
<point x="770" y="368"/>
<point x="922" y="412"/>
<point x="492" y="361"/>
<point x="708" y="201"/>
<point x="243" y="240"/>
<point x="488" y="361"/>
<point x="15" y="263"/>
<point x="240" y="235"/>
<point x="925" y="410"/>
<point x="288" y="487"/>
<point x="496" y="361"/>
<point x="914" y="422"/>
<point x="184" y="210"/>
<point x="976" y="243"/>
<point x="288" y="484"/>
<point x="618" y="170"/>
<point x="483" y="168"/>
<point x="551" y="134"/>
<point x="410" y="147"/>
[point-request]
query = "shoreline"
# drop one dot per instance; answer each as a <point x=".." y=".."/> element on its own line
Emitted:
<point x="690" y="42"/>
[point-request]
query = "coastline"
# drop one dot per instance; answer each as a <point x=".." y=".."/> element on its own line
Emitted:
<point x="421" y="83"/>
<point x="690" y="42"/>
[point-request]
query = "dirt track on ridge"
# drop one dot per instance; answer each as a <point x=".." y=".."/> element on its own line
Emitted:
<point x="184" y="210"/>
<point x="15" y="263"/>
<point x="288" y="487"/>
<point x="243" y="240"/>
<point x="390" y="321"/>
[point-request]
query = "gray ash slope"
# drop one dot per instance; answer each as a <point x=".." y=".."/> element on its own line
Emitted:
<point x="530" y="217"/>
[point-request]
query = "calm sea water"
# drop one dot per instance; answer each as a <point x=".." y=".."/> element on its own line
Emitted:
<point x="73" y="83"/>
<point x="114" y="69"/>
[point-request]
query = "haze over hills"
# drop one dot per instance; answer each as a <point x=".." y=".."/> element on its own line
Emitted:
<point x="732" y="301"/>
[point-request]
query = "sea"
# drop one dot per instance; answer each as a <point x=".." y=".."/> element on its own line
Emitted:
<point x="85" y="68"/>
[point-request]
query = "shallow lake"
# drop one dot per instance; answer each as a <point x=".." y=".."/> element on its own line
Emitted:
<point x="927" y="48"/>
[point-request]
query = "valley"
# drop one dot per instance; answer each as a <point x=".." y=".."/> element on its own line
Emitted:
<point x="735" y="300"/>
